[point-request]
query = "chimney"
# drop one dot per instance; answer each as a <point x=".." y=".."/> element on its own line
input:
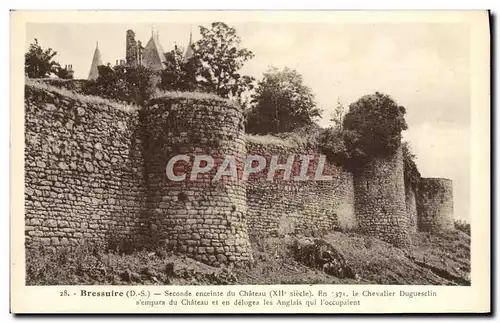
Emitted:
<point x="69" y="69"/>
<point x="131" y="48"/>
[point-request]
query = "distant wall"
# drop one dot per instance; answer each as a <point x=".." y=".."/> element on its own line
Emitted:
<point x="435" y="205"/>
<point x="280" y="207"/>
<point x="411" y="207"/>
<point x="380" y="199"/>
<point x="83" y="169"/>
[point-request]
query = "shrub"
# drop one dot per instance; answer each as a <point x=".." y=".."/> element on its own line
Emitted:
<point x="411" y="172"/>
<point x="131" y="84"/>
<point x="332" y="144"/>
<point x="463" y="226"/>
<point x="376" y="122"/>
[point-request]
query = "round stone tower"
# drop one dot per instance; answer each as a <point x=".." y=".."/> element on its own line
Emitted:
<point x="380" y="199"/>
<point x="435" y="205"/>
<point x="202" y="217"/>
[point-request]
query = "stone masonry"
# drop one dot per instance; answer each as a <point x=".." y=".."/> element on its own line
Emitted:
<point x="203" y="218"/>
<point x="380" y="199"/>
<point x="83" y="170"/>
<point x="95" y="171"/>
<point x="281" y="207"/>
<point x="435" y="205"/>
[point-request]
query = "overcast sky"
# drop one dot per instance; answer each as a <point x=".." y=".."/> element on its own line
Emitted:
<point x="424" y="67"/>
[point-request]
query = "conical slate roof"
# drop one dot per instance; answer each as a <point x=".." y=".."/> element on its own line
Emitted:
<point x="189" y="50"/>
<point x="153" y="55"/>
<point x="96" y="61"/>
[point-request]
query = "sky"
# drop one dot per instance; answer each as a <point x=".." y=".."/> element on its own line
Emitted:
<point x="424" y="67"/>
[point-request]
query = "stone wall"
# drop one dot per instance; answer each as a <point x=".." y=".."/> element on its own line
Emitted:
<point x="95" y="170"/>
<point x="204" y="218"/>
<point x="280" y="206"/>
<point x="411" y="207"/>
<point x="380" y="199"/>
<point x="83" y="169"/>
<point x="68" y="84"/>
<point x="435" y="205"/>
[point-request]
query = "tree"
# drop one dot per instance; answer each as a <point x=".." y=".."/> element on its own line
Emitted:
<point x="217" y="59"/>
<point x="375" y="122"/>
<point x="337" y="116"/>
<point x="282" y="103"/>
<point x="179" y="74"/>
<point x="38" y="62"/>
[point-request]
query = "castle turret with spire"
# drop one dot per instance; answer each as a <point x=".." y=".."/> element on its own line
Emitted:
<point x="189" y="50"/>
<point x="96" y="61"/>
<point x="152" y="56"/>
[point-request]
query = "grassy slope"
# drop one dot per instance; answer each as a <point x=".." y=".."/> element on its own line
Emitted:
<point x="434" y="260"/>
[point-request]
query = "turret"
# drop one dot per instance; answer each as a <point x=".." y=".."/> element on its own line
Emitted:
<point x="189" y="50"/>
<point x="435" y="205"/>
<point x="96" y="61"/>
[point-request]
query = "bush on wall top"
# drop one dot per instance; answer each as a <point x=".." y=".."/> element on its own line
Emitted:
<point x="377" y="122"/>
<point x="131" y="84"/>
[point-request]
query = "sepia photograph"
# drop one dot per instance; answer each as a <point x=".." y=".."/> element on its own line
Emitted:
<point x="235" y="152"/>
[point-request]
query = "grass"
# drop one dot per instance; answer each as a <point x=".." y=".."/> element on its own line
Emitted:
<point x="90" y="99"/>
<point x="94" y="265"/>
<point x="442" y="259"/>
<point x="42" y="84"/>
<point x="271" y="140"/>
<point x="306" y="137"/>
<point x="463" y="226"/>
<point x="160" y="94"/>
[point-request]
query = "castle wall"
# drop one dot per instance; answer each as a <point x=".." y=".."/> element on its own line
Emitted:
<point x="96" y="171"/>
<point x="411" y="207"/>
<point x="280" y="206"/>
<point x="83" y="169"/>
<point x="202" y="218"/>
<point x="435" y="205"/>
<point x="380" y="199"/>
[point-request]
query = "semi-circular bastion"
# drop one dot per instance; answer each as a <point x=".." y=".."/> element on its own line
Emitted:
<point x="202" y="217"/>
<point x="435" y="205"/>
<point x="95" y="171"/>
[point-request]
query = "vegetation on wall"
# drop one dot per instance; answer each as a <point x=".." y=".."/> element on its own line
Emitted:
<point x="463" y="226"/>
<point x="64" y="73"/>
<point x="132" y="84"/>
<point x="377" y="122"/>
<point x="372" y="127"/>
<point x="411" y="172"/>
